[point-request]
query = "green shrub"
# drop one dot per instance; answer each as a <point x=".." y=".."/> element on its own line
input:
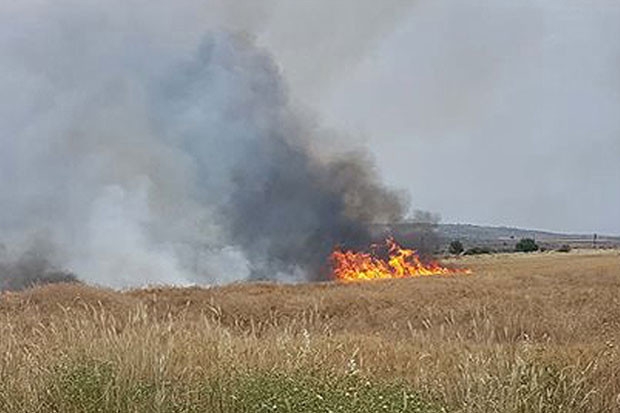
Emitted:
<point x="456" y="247"/>
<point x="526" y="245"/>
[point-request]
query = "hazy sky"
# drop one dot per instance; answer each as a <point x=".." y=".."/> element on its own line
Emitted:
<point x="494" y="112"/>
<point x="487" y="111"/>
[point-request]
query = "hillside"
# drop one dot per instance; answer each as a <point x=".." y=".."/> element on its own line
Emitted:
<point x="504" y="238"/>
<point x="478" y="233"/>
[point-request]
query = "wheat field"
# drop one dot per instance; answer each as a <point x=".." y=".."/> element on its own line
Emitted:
<point x="523" y="333"/>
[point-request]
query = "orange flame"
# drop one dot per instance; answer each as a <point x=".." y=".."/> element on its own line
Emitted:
<point x="401" y="263"/>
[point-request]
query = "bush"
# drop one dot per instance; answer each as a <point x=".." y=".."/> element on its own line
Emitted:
<point x="456" y="247"/>
<point x="564" y="248"/>
<point x="478" y="251"/>
<point x="526" y="245"/>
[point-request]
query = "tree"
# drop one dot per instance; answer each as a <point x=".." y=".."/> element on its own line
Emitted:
<point x="526" y="245"/>
<point x="456" y="247"/>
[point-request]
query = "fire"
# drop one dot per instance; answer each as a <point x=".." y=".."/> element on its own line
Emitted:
<point x="400" y="263"/>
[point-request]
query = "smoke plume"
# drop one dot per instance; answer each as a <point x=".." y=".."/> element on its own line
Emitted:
<point x="139" y="161"/>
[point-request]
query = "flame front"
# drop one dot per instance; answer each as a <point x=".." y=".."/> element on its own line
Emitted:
<point x="400" y="263"/>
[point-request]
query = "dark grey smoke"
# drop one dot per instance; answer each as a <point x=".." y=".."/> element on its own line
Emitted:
<point x="280" y="202"/>
<point x="33" y="267"/>
<point x="140" y="163"/>
<point x="294" y="215"/>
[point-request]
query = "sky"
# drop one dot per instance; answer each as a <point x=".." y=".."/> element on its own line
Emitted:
<point x="491" y="112"/>
<point x="484" y="111"/>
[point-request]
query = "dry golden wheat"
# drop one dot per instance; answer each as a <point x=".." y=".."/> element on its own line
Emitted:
<point x="524" y="333"/>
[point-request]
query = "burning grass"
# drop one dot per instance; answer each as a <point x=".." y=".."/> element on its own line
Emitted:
<point x="394" y="262"/>
<point x="534" y="333"/>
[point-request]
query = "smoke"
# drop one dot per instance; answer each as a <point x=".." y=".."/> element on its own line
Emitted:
<point x="143" y="159"/>
<point x="34" y="266"/>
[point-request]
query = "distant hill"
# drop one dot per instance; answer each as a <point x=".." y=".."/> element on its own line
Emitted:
<point x="506" y="236"/>
<point x="434" y="238"/>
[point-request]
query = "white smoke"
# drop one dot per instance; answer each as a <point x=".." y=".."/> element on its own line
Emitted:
<point x="94" y="164"/>
<point x="128" y="131"/>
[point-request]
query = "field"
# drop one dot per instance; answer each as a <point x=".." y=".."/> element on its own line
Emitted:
<point x="524" y="333"/>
